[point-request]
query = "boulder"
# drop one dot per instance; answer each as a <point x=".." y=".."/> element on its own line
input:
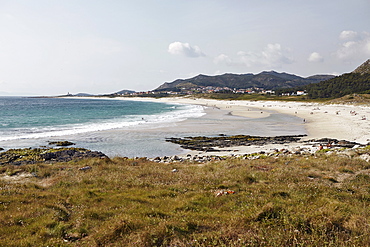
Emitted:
<point x="62" y="143"/>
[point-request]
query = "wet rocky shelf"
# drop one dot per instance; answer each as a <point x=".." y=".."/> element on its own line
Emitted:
<point x="203" y="143"/>
<point x="209" y="144"/>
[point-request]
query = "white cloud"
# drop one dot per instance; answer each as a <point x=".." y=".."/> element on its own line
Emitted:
<point x="272" y="56"/>
<point x="315" y="57"/>
<point x="355" y="47"/>
<point x="185" y="49"/>
<point x="348" y="35"/>
<point x="222" y="58"/>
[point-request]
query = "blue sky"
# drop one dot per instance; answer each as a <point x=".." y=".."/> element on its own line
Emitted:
<point x="50" y="47"/>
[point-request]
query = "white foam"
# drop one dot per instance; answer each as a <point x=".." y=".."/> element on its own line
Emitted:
<point x="142" y="121"/>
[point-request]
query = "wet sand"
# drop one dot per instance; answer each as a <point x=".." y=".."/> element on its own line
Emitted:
<point x="342" y="122"/>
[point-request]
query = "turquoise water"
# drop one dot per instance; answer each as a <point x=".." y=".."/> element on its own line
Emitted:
<point x="122" y="127"/>
<point x="27" y="118"/>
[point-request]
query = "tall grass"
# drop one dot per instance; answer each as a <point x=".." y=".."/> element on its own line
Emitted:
<point x="291" y="201"/>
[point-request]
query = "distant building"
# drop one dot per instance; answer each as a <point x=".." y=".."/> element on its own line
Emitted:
<point x="301" y="93"/>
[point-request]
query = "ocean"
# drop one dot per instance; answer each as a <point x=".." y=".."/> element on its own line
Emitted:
<point x="123" y="127"/>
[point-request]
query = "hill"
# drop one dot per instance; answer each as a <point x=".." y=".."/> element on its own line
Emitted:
<point x="363" y="68"/>
<point x="357" y="81"/>
<point x="268" y="80"/>
<point x="125" y="92"/>
<point x="83" y="95"/>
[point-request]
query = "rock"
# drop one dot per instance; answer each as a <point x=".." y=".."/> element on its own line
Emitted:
<point x="38" y="155"/>
<point x="365" y="157"/>
<point x="202" y="143"/>
<point x="85" y="168"/>
<point x="71" y="154"/>
<point x="62" y="143"/>
<point x="176" y="158"/>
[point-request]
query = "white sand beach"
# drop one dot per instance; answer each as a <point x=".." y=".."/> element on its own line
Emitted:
<point x="342" y="122"/>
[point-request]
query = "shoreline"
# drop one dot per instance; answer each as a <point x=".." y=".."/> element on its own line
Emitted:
<point x="341" y="122"/>
<point x="347" y="122"/>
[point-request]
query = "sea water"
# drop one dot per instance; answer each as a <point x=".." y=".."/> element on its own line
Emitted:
<point x="27" y="118"/>
<point x="123" y="127"/>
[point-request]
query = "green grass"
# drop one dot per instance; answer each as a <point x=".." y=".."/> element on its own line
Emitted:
<point x="322" y="200"/>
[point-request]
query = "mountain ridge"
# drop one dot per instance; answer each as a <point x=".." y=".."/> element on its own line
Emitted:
<point x="269" y="80"/>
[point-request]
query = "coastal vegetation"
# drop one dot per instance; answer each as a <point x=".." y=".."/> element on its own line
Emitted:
<point x="76" y="197"/>
<point x="340" y="86"/>
<point x="321" y="199"/>
<point x="356" y="82"/>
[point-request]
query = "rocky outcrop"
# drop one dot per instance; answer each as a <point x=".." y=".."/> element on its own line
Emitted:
<point x="363" y="68"/>
<point x="212" y="144"/>
<point x="208" y="144"/>
<point x="71" y="154"/>
<point x="62" y="143"/>
<point x="326" y="146"/>
<point x="330" y="142"/>
<point x="46" y="155"/>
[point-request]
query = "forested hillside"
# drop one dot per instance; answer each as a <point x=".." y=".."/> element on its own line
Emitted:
<point x="340" y="86"/>
<point x="357" y="81"/>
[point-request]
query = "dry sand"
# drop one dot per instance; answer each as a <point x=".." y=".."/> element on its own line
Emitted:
<point x="342" y="122"/>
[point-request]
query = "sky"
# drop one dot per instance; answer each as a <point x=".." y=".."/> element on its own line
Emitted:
<point x="52" y="47"/>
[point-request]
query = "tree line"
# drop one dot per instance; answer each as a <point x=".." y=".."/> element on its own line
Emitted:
<point x="336" y="87"/>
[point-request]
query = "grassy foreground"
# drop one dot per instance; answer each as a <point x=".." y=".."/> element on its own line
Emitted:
<point x="320" y="200"/>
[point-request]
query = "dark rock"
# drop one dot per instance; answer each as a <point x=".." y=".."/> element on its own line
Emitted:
<point x="335" y="142"/>
<point x="39" y="155"/>
<point x="62" y="143"/>
<point x="208" y="144"/>
<point x="176" y="158"/>
<point x="72" y="154"/>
